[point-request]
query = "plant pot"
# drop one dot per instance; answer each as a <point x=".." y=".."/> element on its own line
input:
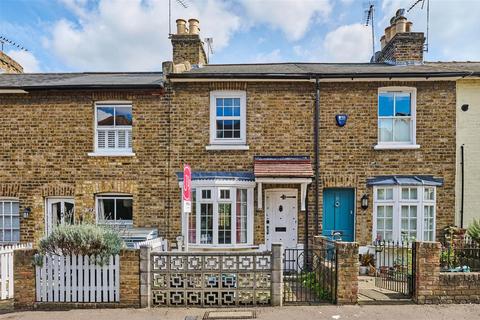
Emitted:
<point x="363" y="270"/>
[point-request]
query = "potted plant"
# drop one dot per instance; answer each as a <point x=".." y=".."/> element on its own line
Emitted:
<point x="367" y="260"/>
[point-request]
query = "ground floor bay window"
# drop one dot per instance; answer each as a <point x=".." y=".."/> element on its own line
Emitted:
<point x="221" y="215"/>
<point x="404" y="213"/>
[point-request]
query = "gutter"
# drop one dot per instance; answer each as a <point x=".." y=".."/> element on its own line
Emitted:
<point x="309" y="76"/>
<point x="85" y="87"/>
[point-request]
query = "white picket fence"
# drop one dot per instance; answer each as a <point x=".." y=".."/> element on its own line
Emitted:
<point x="77" y="279"/>
<point x="6" y="268"/>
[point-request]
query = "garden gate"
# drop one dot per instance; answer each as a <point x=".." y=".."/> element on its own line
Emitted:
<point x="395" y="266"/>
<point x="309" y="275"/>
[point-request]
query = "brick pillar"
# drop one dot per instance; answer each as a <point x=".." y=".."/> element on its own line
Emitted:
<point x="145" y="278"/>
<point x="129" y="278"/>
<point x="24" y="278"/>
<point x="277" y="274"/>
<point x="427" y="262"/>
<point x="347" y="272"/>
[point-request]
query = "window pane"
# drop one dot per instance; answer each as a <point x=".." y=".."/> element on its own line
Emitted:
<point x="124" y="209"/>
<point x="429" y="194"/>
<point x="402" y="104"/>
<point x="206" y="194"/>
<point x="236" y="111"/>
<point x="385" y="130"/>
<point x="389" y="194"/>
<point x="105" y="116"/>
<point x="405" y="194"/>
<point x="380" y="211"/>
<point x="206" y="223"/>
<point x="123" y="116"/>
<point x="380" y="194"/>
<point x="224" y="223"/>
<point x="228" y="111"/>
<point x="192" y="219"/>
<point x="389" y="211"/>
<point x="106" y="209"/>
<point x="242" y="216"/>
<point x="228" y="102"/>
<point x="385" y="104"/>
<point x="402" y="130"/>
<point x="236" y="102"/>
<point x="224" y="194"/>
<point x="413" y="194"/>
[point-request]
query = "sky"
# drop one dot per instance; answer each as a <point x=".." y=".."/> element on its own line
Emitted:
<point x="132" y="35"/>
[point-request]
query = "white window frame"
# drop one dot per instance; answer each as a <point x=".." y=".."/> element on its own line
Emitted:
<point x="397" y="203"/>
<point x="215" y="186"/>
<point x="115" y="196"/>
<point x="129" y="131"/>
<point x="413" y="127"/>
<point x="3" y="202"/>
<point x="228" y="143"/>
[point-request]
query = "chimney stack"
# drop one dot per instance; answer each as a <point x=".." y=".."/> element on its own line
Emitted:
<point x="187" y="45"/>
<point x="8" y="65"/>
<point x="400" y="45"/>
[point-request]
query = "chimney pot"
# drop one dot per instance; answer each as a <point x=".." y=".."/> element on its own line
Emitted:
<point x="181" y="26"/>
<point x="383" y="42"/>
<point x="401" y="25"/>
<point x="387" y="34"/>
<point x="193" y="26"/>
<point x="409" y="26"/>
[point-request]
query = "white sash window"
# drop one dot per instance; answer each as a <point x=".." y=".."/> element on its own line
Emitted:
<point x="113" y="128"/>
<point x="9" y="221"/>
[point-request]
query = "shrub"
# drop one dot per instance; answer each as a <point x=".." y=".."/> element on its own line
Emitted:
<point x="82" y="239"/>
<point x="473" y="230"/>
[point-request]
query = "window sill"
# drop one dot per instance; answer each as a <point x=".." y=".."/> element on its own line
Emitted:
<point x="227" y="147"/>
<point x="111" y="154"/>
<point x="396" y="146"/>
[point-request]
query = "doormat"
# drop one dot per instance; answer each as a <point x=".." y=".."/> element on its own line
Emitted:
<point x="230" y="315"/>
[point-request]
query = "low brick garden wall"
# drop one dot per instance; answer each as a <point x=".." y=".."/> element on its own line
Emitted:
<point x="434" y="287"/>
<point x="24" y="295"/>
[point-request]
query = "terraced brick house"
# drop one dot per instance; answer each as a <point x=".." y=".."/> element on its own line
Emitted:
<point x="279" y="152"/>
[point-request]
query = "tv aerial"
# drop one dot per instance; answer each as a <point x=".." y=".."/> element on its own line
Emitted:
<point x="4" y="40"/>
<point x="182" y="3"/>
<point x="425" y="4"/>
<point x="369" y="15"/>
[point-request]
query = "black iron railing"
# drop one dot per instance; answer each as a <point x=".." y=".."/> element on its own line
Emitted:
<point x="395" y="267"/>
<point x="309" y="275"/>
<point x="460" y="255"/>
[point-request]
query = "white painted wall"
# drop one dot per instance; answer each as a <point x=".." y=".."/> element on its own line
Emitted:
<point x="468" y="134"/>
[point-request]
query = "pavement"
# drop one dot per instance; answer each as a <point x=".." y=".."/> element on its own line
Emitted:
<point x="367" y="312"/>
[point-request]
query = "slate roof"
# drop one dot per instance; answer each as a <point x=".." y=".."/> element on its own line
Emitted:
<point x="405" y="181"/>
<point x="212" y="175"/>
<point x="331" y="70"/>
<point x="291" y="166"/>
<point x="32" y="81"/>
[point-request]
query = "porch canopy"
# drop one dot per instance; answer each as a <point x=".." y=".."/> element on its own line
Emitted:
<point x="283" y="170"/>
<point x="405" y="180"/>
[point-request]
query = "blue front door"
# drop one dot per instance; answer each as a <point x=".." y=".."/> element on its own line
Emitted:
<point x="339" y="213"/>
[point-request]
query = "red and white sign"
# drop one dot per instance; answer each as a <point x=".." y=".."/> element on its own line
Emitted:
<point x="187" y="189"/>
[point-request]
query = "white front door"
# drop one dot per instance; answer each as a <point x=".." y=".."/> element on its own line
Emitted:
<point x="58" y="210"/>
<point x="281" y="217"/>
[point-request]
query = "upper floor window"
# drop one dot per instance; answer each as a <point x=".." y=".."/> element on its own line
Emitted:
<point x="396" y="117"/>
<point x="9" y="221"/>
<point x="228" y="118"/>
<point x="115" y="209"/>
<point x="113" y="128"/>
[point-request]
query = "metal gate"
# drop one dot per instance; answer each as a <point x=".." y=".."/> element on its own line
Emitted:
<point x="395" y="266"/>
<point x="309" y="276"/>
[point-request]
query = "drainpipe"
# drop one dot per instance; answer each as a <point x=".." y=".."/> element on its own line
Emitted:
<point x="307" y="212"/>
<point x="316" y="129"/>
<point x="462" y="199"/>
